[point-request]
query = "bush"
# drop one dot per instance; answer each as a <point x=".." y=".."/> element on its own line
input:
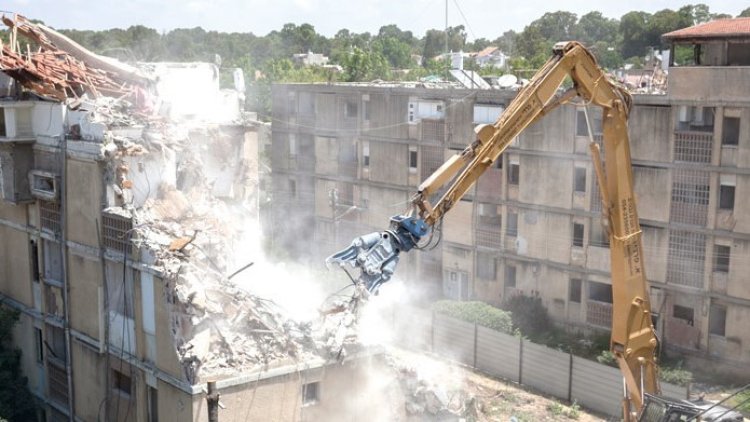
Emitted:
<point x="675" y="375"/>
<point x="606" y="357"/>
<point x="529" y="316"/>
<point x="478" y="313"/>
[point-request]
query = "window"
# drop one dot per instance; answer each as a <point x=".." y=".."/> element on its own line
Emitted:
<point x="55" y="344"/>
<point x="578" y="234"/>
<point x="350" y="109"/>
<point x="581" y="126"/>
<point x="511" y="228"/>
<point x="34" y="260"/>
<point x="365" y="110"/>
<point x="39" y="343"/>
<point x="53" y="270"/>
<point x="684" y="313"/>
<point x="726" y="197"/>
<point x="580" y="179"/>
<point x="510" y="276"/>
<point x="721" y="258"/>
<point x="153" y="404"/>
<point x="120" y="288"/>
<point x="486" y="266"/>
<point x="292" y="188"/>
<point x="366" y="154"/>
<point x="731" y="131"/>
<point x="598" y="234"/>
<point x="600" y="292"/>
<point x="487" y="113"/>
<point x="412" y="159"/>
<point x="498" y="164"/>
<point x="310" y="393"/>
<point x="574" y="290"/>
<point x="292" y="146"/>
<point x="717" y="320"/>
<point x="116" y="232"/>
<point x="489" y="217"/>
<point x="49" y="216"/>
<point x="513" y="173"/>
<point x="121" y="382"/>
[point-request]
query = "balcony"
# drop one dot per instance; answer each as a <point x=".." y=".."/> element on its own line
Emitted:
<point x="693" y="146"/>
<point x="709" y="83"/>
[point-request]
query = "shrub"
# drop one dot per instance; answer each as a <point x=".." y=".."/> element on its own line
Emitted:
<point x="478" y="313"/>
<point x="529" y="316"/>
<point x="675" y="375"/>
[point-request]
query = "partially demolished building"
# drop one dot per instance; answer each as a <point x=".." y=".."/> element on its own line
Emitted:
<point x="346" y="157"/>
<point x="124" y="194"/>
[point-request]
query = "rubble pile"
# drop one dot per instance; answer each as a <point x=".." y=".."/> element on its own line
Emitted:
<point x="432" y="394"/>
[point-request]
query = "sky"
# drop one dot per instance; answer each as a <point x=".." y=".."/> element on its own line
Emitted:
<point x="482" y="18"/>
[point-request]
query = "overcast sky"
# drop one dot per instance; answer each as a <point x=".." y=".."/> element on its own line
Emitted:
<point x="483" y="18"/>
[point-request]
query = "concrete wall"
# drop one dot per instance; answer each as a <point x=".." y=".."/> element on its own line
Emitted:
<point x="84" y="207"/>
<point x="698" y="85"/>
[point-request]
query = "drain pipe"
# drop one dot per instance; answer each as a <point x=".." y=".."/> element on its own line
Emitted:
<point x="66" y="281"/>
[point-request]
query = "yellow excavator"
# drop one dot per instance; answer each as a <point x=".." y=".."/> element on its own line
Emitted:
<point x="633" y="341"/>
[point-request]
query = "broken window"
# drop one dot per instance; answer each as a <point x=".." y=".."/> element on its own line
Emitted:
<point x="511" y="227"/>
<point x="717" y="320"/>
<point x="510" y="276"/>
<point x="486" y="266"/>
<point x="574" y="290"/>
<point x="489" y="217"/>
<point x="121" y="382"/>
<point x="578" y="234"/>
<point x="55" y="344"/>
<point x="513" y="172"/>
<point x="731" y="132"/>
<point x="413" y="159"/>
<point x="683" y="313"/>
<point x="310" y="393"/>
<point x="721" y="258"/>
<point x="600" y="292"/>
<point x="580" y="179"/>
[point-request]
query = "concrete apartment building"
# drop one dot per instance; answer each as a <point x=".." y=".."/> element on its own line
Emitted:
<point x="117" y="223"/>
<point x="346" y="157"/>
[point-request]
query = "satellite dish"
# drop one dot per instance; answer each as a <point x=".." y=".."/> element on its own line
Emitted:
<point x="507" y="81"/>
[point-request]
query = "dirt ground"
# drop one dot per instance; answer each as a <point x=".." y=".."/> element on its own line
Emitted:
<point x="477" y="397"/>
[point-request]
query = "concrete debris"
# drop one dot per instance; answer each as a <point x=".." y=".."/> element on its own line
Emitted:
<point x="431" y="397"/>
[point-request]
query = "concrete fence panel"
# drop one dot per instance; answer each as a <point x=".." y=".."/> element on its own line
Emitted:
<point x="414" y="328"/>
<point x="674" y="391"/>
<point x="545" y="369"/>
<point x="596" y="386"/>
<point x="454" y="339"/>
<point x="498" y="354"/>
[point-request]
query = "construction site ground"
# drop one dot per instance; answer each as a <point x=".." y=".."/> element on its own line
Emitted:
<point x="487" y="398"/>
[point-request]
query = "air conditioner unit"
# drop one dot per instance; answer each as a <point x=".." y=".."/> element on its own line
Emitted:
<point x="44" y="185"/>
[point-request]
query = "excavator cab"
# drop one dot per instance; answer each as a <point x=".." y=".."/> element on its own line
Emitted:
<point x="660" y="409"/>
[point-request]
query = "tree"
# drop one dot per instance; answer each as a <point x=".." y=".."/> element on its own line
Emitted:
<point x="397" y="53"/>
<point x="634" y="31"/>
<point x="361" y="65"/>
<point x="593" y="27"/>
<point x="16" y="402"/>
<point x="745" y="13"/>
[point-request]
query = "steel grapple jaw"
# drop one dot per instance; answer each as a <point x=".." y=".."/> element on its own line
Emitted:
<point x="376" y="254"/>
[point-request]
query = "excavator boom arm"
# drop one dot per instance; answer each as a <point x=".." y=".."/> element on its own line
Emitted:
<point x="633" y="338"/>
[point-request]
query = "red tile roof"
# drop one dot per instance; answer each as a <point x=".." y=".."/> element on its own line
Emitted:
<point x="487" y="51"/>
<point x="722" y="28"/>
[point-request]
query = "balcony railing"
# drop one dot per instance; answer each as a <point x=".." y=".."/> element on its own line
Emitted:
<point x="693" y="147"/>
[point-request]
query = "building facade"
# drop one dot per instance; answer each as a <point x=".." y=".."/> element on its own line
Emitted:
<point x="346" y="157"/>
